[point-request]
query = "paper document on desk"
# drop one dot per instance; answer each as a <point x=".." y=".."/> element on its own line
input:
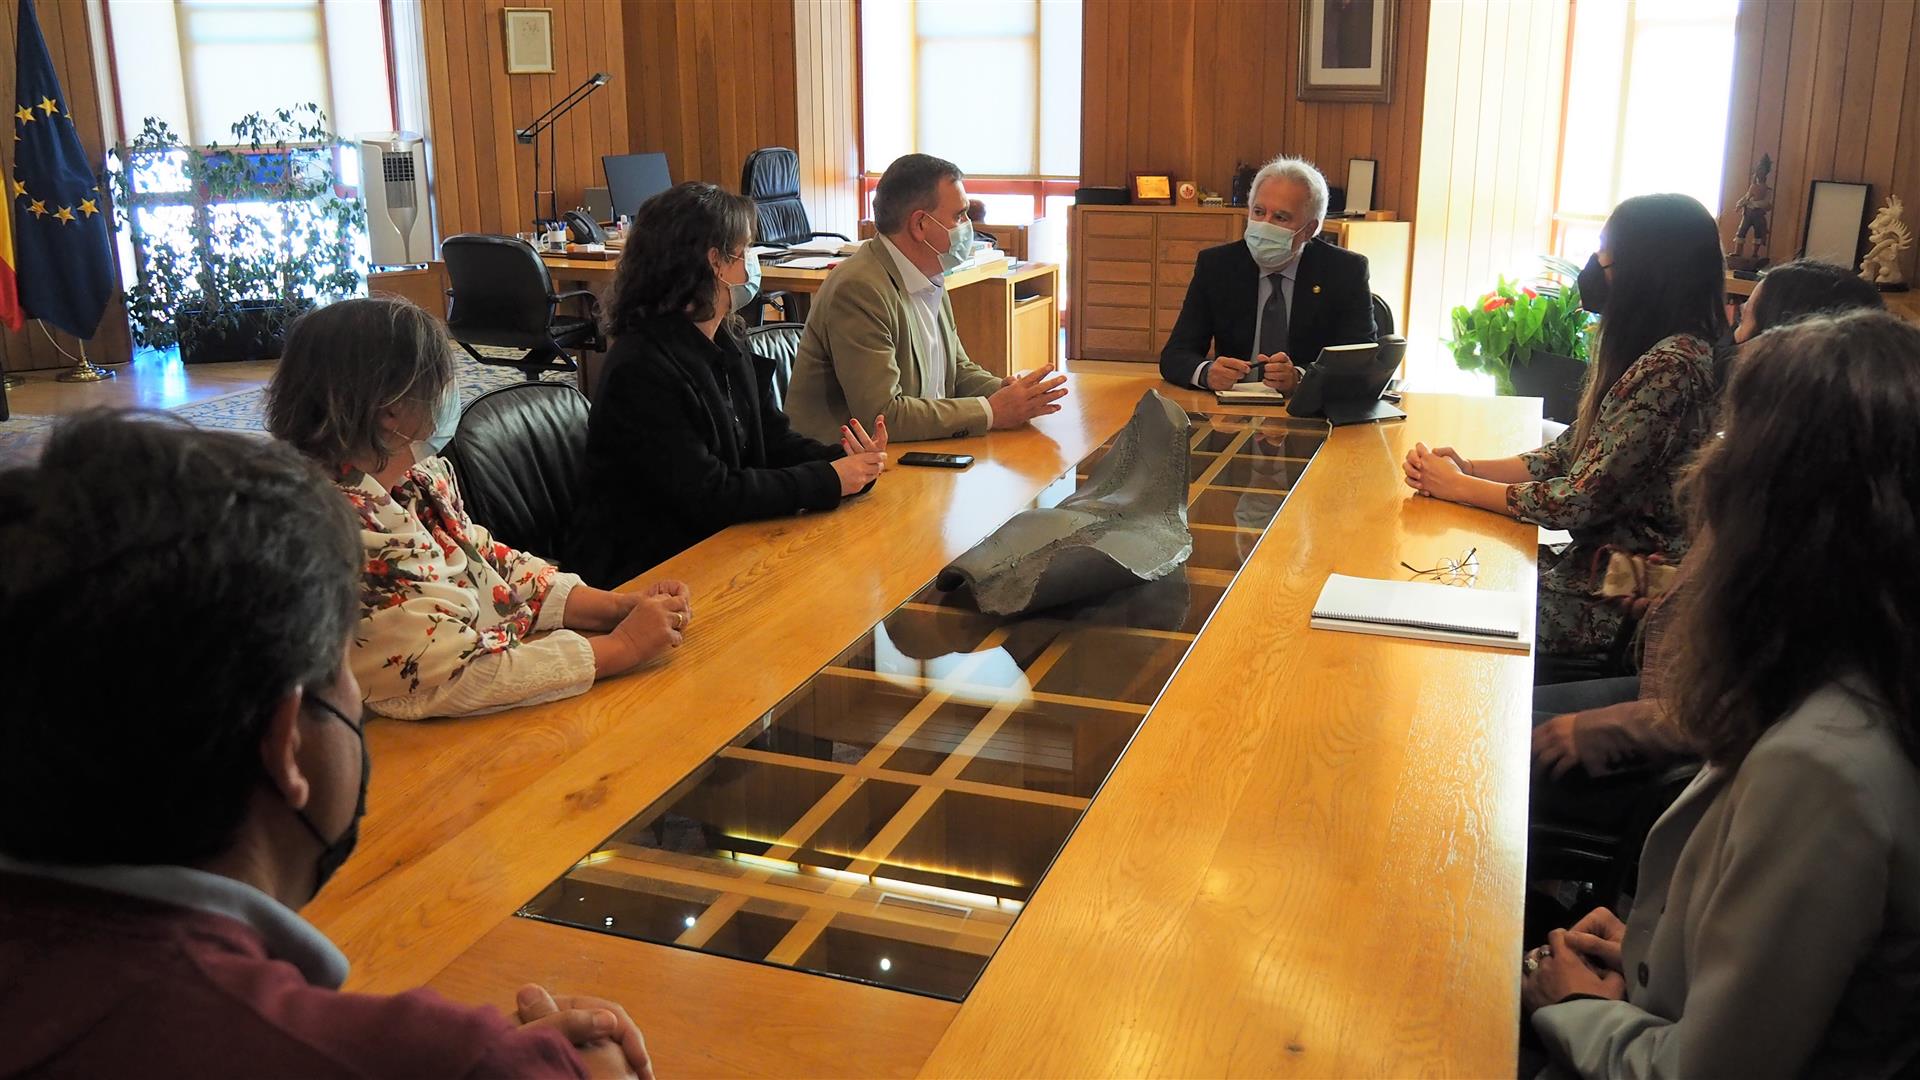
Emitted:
<point x="825" y="245"/>
<point x="809" y="262"/>
<point x="1250" y="393"/>
<point x="1427" y="611"/>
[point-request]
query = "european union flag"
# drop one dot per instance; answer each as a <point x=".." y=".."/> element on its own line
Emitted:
<point x="62" y="254"/>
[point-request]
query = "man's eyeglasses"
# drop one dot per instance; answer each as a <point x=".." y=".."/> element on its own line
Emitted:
<point x="1462" y="571"/>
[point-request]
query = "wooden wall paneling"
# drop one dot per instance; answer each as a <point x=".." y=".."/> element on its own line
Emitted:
<point x="824" y="76"/>
<point x="1906" y="170"/>
<point x="1892" y="71"/>
<point x="1856" y="91"/>
<point x="1743" y="107"/>
<point x="1831" y="90"/>
<point x="67" y="27"/>
<point x="512" y="213"/>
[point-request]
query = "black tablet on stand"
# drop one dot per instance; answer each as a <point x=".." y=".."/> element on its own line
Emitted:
<point x="1346" y="381"/>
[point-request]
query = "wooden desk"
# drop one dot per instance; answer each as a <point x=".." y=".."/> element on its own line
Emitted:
<point x="1309" y="861"/>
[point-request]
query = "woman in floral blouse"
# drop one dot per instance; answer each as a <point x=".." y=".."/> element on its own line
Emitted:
<point x="447" y="613"/>
<point x="1658" y="283"/>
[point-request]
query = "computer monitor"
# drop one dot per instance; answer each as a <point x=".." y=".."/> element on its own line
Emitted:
<point x="634" y="178"/>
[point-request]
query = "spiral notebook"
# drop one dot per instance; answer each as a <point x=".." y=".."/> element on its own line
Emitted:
<point x="1426" y="611"/>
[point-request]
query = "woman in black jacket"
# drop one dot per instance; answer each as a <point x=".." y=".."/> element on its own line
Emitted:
<point x="684" y="438"/>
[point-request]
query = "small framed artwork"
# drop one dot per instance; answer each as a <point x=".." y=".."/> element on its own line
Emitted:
<point x="529" y="39"/>
<point x="1836" y="222"/>
<point x="1360" y="184"/>
<point x="1186" y="193"/>
<point x="1151" y="190"/>
<point x="1346" y="50"/>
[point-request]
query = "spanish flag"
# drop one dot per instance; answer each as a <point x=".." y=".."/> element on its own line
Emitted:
<point x="10" y="316"/>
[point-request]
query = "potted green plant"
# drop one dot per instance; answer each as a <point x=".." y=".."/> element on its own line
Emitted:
<point x="1534" y="340"/>
<point x="231" y="243"/>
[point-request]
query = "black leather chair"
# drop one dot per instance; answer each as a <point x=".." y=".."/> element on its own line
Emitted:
<point x="1382" y="317"/>
<point x="771" y="178"/>
<point x="502" y="297"/>
<point x="774" y="347"/>
<point x="1609" y="860"/>
<point x="518" y="454"/>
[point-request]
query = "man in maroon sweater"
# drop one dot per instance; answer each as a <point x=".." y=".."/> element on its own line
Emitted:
<point x="182" y="767"/>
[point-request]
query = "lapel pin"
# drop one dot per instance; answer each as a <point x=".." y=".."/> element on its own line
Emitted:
<point x="1316" y="290"/>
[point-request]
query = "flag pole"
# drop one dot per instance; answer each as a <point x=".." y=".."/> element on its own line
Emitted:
<point x="86" y="371"/>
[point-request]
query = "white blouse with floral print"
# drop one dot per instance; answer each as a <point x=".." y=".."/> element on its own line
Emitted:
<point x="445" y="611"/>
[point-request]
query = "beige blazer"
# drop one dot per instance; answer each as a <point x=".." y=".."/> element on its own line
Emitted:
<point x="859" y="358"/>
<point x="1777" y="927"/>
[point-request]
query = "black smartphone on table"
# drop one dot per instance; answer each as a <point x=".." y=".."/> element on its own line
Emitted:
<point x="937" y="461"/>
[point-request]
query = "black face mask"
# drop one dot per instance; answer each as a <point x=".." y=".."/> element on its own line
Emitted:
<point x="334" y="853"/>
<point x="1593" y="285"/>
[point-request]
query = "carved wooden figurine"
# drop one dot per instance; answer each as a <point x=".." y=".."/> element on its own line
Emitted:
<point x="1756" y="211"/>
<point x="1887" y="237"/>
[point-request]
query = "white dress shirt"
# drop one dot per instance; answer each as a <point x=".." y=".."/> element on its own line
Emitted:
<point x="1287" y="274"/>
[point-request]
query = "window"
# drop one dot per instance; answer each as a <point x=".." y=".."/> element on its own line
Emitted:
<point x="992" y="85"/>
<point x="1646" y="109"/>
<point x="244" y="56"/>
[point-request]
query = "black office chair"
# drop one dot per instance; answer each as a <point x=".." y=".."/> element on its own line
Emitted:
<point x="1607" y="859"/>
<point x="1382" y="318"/>
<point x="518" y="454"/>
<point x="503" y="299"/>
<point x="774" y="347"/>
<point x="771" y="178"/>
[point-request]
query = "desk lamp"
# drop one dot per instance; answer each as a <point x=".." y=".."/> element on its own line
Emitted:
<point x="545" y="122"/>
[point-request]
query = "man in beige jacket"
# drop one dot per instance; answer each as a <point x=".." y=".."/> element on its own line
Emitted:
<point x="880" y="337"/>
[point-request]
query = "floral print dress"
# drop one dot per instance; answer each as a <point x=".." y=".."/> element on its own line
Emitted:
<point x="446" y="611"/>
<point x="1617" y="488"/>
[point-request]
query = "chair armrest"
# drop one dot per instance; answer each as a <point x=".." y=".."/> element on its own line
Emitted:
<point x="593" y="298"/>
<point x="842" y="236"/>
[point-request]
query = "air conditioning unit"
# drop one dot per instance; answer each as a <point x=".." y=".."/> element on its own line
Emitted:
<point x="393" y="175"/>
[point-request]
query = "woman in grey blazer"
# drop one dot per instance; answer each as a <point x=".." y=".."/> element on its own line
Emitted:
<point x="1777" y="926"/>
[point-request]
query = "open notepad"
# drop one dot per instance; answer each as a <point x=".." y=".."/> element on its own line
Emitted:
<point x="1425" y="610"/>
<point x="1250" y="393"/>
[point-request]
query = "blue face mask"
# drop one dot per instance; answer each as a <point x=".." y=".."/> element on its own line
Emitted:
<point x="739" y="296"/>
<point x="1272" y="246"/>
<point x="959" y="246"/>
<point x="446" y="418"/>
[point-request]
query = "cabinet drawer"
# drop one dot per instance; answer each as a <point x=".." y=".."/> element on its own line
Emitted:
<point x="1180" y="252"/>
<point x="1115" y="341"/>
<point x="1118" y="295"/>
<point x="1170" y="297"/>
<point x="1097" y="224"/>
<point x="1099" y="248"/>
<point x="1213" y="228"/>
<point x="1124" y="271"/>
<point x="1115" y="318"/>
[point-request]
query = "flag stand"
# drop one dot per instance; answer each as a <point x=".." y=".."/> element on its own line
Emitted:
<point x="86" y="371"/>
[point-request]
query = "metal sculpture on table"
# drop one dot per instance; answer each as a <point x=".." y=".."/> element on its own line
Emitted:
<point x="1125" y="526"/>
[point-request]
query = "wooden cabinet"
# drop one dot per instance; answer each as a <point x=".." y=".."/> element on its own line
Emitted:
<point x="1010" y="321"/>
<point x="1130" y="266"/>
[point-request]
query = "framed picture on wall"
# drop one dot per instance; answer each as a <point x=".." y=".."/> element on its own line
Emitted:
<point x="1346" y="50"/>
<point x="529" y="39"/>
<point x="1836" y="222"/>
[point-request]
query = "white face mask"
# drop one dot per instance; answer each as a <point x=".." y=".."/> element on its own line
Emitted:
<point x="959" y="245"/>
<point x="446" y="418"/>
<point x="1273" y="247"/>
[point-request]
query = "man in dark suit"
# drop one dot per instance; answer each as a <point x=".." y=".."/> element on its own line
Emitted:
<point x="1277" y="297"/>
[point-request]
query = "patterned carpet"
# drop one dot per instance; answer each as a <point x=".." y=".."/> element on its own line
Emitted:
<point x="22" y="435"/>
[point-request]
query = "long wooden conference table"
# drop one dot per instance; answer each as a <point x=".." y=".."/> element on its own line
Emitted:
<point x="1307" y="861"/>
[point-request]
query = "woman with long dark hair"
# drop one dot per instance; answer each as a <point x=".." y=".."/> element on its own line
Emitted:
<point x="1658" y="283"/>
<point x="685" y="439"/>
<point x="1776" y="927"/>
